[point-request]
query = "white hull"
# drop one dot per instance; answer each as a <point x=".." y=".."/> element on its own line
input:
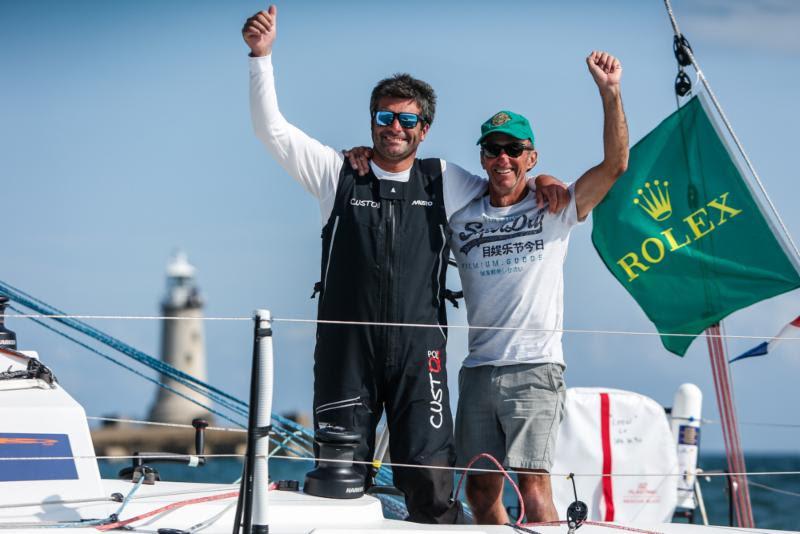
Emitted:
<point x="289" y="512"/>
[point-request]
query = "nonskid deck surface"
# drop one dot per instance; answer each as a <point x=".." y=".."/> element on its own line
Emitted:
<point x="289" y="512"/>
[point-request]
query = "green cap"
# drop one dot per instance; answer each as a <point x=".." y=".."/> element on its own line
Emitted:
<point x="509" y="123"/>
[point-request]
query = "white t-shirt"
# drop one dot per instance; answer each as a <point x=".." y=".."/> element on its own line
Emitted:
<point x="316" y="166"/>
<point x="511" y="264"/>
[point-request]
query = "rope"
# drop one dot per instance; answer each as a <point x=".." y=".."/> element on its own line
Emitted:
<point x="277" y="432"/>
<point x="277" y="429"/>
<point x="21" y="315"/>
<point x="416" y="466"/>
<point x="774" y="490"/>
<point x="298" y="431"/>
<point x="167" y="508"/>
<point x="33" y="303"/>
<point x="410" y="325"/>
<point x="296" y="434"/>
<point x="745" y="423"/>
<point x="127" y="498"/>
<point x="135" y="497"/>
<point x="211" y="520"/>
<point x="505" y="474"/>
<point x="97" y="523"/>
<point x="776" y="425"/>
<point x="588" y="522"/>
<point x="134" y="371"/>
<point x="156" y="423"/>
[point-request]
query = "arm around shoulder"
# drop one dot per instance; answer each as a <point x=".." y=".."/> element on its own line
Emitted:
<point x="460" y="186"/>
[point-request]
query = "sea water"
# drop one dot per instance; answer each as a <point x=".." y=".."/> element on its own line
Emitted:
<point x="777" y="506"/>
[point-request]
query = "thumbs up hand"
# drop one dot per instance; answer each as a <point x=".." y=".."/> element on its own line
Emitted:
<point x="259" y="31"/>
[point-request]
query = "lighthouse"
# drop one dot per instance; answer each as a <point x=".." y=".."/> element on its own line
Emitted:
<point x="182" y="344"/>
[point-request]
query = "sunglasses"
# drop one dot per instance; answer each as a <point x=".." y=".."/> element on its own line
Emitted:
<point x="407" y="120"/>
<point x="514" y="150"/>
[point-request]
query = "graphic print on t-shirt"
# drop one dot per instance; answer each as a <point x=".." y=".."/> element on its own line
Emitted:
<point x="501" y="245"/>
<point x="510" y="260"/>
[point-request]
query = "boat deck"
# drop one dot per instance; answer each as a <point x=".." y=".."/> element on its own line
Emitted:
<point x="179" y="505"/>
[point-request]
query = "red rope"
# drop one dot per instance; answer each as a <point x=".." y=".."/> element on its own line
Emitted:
<point x="167" y="508"/>
<point x="589" y="522"/>
<point x="505" y="474"/>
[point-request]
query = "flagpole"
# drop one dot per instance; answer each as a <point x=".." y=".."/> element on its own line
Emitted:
<point x="729" y="126"/>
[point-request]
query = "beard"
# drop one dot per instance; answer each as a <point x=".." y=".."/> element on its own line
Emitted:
<point x="394" y="146"/>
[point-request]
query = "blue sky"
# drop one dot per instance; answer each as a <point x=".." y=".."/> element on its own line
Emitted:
<point x="125" y="133"/>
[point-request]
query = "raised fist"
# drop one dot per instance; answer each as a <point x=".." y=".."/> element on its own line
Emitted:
<point x="605" y="69"/>
<point x="259" y="31"/>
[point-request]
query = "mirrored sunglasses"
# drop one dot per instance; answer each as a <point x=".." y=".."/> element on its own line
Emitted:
<point x="386" y="118"/>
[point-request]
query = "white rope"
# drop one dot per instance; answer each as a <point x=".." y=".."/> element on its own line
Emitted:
<point x="127" y="317"/>
<point x="213" y="489"/>
<point x="777" y="425"/>
<point x="211" y="520"/>
<point x="729" y="126"/>
<point x="774" y="490"/>
<point x="413" y="466"/>
<point x="155" y="423"/>
<point x="529" y="329"/>
<point x="413" y="325"/>
<point x="741" y="423"/>
<point x="149" y="456"/>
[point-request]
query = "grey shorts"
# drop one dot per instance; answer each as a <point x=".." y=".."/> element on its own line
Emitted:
<point x="511" y="412"/>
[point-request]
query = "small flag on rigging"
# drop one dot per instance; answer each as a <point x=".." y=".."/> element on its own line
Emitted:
<point x="791" y="330"/>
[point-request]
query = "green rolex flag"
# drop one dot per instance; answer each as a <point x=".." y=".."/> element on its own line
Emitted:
<point x="683" y="233"/>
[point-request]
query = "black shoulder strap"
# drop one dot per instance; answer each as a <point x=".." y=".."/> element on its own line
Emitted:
<point x="346" y="176"/>
<point x="430" y="166"/>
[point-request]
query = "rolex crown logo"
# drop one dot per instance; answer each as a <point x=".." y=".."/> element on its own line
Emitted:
<point x="654" y="200"/>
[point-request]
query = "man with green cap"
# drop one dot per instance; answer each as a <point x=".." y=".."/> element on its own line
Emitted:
<point x="510" y="256"/>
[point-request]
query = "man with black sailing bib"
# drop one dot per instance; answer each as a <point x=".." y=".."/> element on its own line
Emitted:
<point x="384" y="259"/>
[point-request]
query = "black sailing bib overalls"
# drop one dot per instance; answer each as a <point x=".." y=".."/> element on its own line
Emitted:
<point x="384" y="257"/>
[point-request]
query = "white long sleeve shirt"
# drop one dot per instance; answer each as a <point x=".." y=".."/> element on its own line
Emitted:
<point x="317" y="166"/>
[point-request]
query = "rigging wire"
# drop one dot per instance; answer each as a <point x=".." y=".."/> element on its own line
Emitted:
<point x="241" y="430"/>
<point x="295" y="436"/>
<point x="158" y="423"/>
<point x="291" y="431"/>
<point x="774" y="490"/>
<point x="185" y="379"/>
<point x="134" y="371"/>
<point x="418" y="466"/>
<point x="414" y="325"/>
<point x="33" y="303"/>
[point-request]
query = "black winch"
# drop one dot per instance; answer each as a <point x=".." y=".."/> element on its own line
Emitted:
<point x="335" y="476"/>
<point x="8" y="339"/>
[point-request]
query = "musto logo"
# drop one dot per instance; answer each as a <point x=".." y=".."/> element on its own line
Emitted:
<point x="434" y="370"/>
<point x="655" y="201"/>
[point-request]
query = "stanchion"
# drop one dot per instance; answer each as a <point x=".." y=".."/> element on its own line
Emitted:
<point x="252" y="511"/>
